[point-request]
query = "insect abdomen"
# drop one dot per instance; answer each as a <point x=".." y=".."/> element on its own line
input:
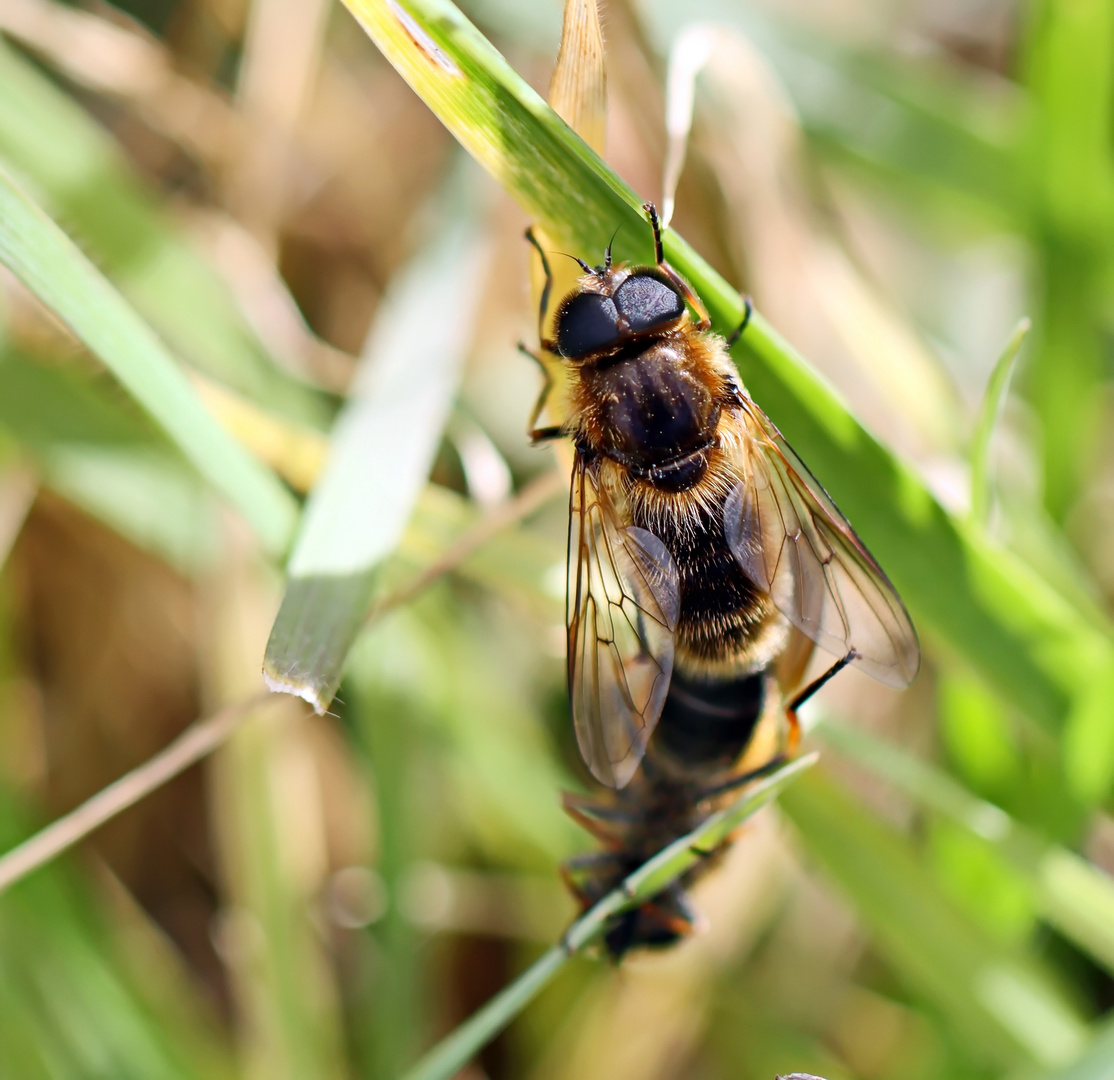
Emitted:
<point x="710" y="722"/>
<point x="722" y="610"/>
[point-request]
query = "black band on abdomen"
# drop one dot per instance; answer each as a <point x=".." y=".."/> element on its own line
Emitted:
<point x="710" y="721"/>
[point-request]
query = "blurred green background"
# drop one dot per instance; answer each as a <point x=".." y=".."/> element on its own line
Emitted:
<point x="896" y="184"/>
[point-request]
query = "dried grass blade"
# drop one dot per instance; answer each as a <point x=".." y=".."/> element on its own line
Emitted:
<point x="380" y="456"/>
<point x="578" y="86"/>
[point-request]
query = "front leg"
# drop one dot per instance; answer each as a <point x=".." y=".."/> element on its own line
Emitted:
<point x="703" y="321"/>
<point x="544" y="434"/>
<point x="547" y="288"/>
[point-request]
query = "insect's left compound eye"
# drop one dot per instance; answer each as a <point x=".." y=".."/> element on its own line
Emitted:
<point x="647" y="301"/>
<point x="587" y="323"/>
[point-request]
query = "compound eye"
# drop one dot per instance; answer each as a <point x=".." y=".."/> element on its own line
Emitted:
<point x="647" y="301"/>
<point x="588" y="323"/>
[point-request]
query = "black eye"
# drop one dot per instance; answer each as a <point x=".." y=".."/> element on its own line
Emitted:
<point x="588" y="323"/>
<point x="646" y="301"/>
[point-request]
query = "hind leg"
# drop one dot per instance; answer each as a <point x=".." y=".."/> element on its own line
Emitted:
<point x="794" y="738"/>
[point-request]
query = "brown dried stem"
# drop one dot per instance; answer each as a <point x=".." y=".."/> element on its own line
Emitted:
<point x="199" y="739"/>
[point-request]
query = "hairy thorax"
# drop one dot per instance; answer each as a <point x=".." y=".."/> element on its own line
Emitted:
<point x="663" y="429"/>
<point x="653" y="406"/>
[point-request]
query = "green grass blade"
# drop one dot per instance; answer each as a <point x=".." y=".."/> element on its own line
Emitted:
<point x="381" y="452"/>
<point x="87" y="1002"/>
<point x="986" y="421"/>
<point x="1025" y="638"/>
<point x="91" y="448"/>
<point x="1072" y="895"/>
<point x="949" y="143"/>
<point x="53" y="268"/>
<point x="1067" y="62"/>
<point x="454" y="1052"/>
<point x="1004" y="1007"/>
<point x="1088" y="744"/>
<point x="271" y="850"/>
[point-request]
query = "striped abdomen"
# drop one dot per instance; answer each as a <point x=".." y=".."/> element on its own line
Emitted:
<point x="722" y="612"/>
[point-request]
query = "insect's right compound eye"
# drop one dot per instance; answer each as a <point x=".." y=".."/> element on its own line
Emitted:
<point x="588" y="323"/>
<point x="646" y="301"/>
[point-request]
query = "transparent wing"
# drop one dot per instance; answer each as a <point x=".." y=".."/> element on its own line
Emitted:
<point x="623" y="603"/>
<point x="791" y="540"/>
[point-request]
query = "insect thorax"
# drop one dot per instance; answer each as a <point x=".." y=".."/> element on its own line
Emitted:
<point x="653" y="407"/>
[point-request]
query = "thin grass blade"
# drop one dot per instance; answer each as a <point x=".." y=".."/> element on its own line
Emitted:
<point x="453" y="1053"/>
<point x="686" y="60"/>
<point x="988" y="419"/>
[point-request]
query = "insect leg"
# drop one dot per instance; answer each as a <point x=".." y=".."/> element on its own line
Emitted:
<point x="680" y="923"/>
<point x="568" y="876"/>
<point x="538" y="435"/>
<point x="694" y="301"/>
<point x="743" y="779"/>
<point x="543" y="305"/>
<point x="585" y="804"/>
<point x="527" y="351"/>
<point x="546" y="434"/>
<point x="794" y="737"/>
<point x="596" y="828"/>
<point x="791" y="710"/>
<point x="655" y="224"/>
<point x="748" y="310"/>
<point x="592" y="860"/>
<point x="596" y="819"/>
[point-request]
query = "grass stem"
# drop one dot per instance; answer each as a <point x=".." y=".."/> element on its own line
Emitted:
<point x="199" y="739"/>
<point x="450" y="1055"/>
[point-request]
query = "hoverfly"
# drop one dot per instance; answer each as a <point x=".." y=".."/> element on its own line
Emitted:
<point x="698" y="539"/>
<point x="693" y="763"/>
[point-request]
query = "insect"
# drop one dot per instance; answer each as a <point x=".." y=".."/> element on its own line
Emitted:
<point x="693" y="763"/>
<point x="698" y="539"/>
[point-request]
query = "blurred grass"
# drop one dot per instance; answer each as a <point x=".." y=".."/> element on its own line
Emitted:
<point x="380" y="455"/>
<point x="1007" y="1010"/>
<point x="339" y="894"/>
<point x="44" y="259"/>
<point x="125" y="1007"/>
<point x="85" y="181"/>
